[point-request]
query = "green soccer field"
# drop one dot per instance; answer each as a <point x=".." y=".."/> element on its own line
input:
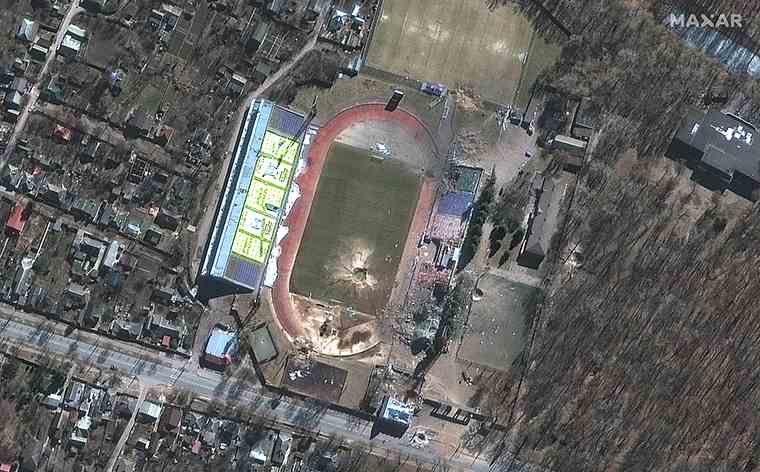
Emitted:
<point x="356" y="231"/>
<point x="454" y="42"/>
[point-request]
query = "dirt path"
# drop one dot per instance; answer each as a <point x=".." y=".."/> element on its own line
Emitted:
<point x="307" y="182"/>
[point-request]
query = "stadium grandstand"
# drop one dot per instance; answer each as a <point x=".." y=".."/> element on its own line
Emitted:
<point x="251" y="204"/>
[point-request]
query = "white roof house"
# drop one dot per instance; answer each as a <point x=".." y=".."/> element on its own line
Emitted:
<point x="77" y="32"/>
<point x="150" y="410"/>
<point x="70" y="46"/>
<point x="27" y="30"/>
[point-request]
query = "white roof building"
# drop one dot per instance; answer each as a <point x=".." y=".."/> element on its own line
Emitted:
<point x="70" y="46"/>
<point x="76" y="32"/>
<point x="150" y="410"/>
<point x="26" y="31"/>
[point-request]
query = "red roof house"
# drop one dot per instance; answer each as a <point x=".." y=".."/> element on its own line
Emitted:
<point x="17" y="219"/>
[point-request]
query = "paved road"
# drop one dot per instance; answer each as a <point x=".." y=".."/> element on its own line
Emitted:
<point x="39" y="335"/>
<point x="34" y="94"/>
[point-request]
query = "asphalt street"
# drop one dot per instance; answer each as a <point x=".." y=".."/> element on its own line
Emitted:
<point x="158" y="370"/>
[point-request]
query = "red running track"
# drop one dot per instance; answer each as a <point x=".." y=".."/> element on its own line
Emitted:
<point x="307" y="182"/>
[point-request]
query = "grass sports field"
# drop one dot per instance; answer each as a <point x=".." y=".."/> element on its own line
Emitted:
<point x="454" y="42"/>
<point x="356" y="230"/>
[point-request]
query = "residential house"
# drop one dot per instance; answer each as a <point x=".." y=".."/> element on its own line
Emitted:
<point x="86" y="209"/>
<point x="88" y="254"/>
<point x="70" y="47"/>
<point x="281" y="450"/>
<point x="262" y="70"/>
<point x="165" y="295"/>
<point x="20" y="66"/>
<point x="167" y="219"/>
<point x="535" y="244"/>
<point x="26" y="31"/>
<point x="113" y="254"/>
<point x="394" y="417"/>
<point x="129" y="330"/>
<point x="14" y="96"/>
<point x="31" y="456"/>
<point x="123" y="329"/>
<point x="172" y="14"/>
<point x="90" y="151"/>
<point x="95" y="6"/>
<point x="149" y="411"/>
<point x="259" y="35"/>
<point x="200" y="147"/>
<point x="38" y="52"/>
<point x="583" y="123"/>
<point x="153" y="236"/>
<point x="80" y="34"/>
<point x="62" y="133"/>
<point x="171" y="419"/>
<point x="76" y="296"/>
<point x="24" y="279"/>
<point x="262" y="450"/>
<point x="222" y="347"/>
<point x="17" y="219"/>
<point x="53" y="401"/>
<point x="161" y="327"/>
<point x="80" y="433"/>
<point x="155" y="20"/>
<point x="55" y="194"/>
<point x="55" y="90"/>
<point x="235" y="85"/>
<point x="74" y="394"/>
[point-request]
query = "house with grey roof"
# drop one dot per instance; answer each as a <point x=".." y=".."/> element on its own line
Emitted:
<point x="26" y="31"/>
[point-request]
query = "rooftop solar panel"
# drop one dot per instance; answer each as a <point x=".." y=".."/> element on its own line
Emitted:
<point x="243" y="271"/>
<point x="285" y="122"/>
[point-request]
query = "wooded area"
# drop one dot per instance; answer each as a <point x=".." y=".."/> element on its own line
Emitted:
<point x="644" y="354"/>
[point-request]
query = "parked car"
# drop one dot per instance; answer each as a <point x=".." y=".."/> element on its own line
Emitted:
<point x="434" y="89"/>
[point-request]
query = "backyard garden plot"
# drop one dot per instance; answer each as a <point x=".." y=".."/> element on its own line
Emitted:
<point x="357" y="227"/>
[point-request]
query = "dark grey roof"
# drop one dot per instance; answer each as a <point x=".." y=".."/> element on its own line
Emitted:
<point x="727" y="142"/>
<point x="541" y="191"/>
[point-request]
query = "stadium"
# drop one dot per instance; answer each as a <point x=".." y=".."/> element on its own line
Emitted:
<point x="251" y="205"/>
<point x="352" y="232"/>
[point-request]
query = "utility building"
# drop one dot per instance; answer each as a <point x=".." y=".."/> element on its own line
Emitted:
<point x="252" y="202"/>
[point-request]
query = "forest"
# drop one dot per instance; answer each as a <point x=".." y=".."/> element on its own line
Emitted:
<point x="644" y="354"/>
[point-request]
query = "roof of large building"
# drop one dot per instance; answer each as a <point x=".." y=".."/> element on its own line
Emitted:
<point x="455" y="203"/>
<point x="727" y="142"/>
<point x="26" y="30"/>
<point x="222" y="343"/>
<point x="256" y="191"/>
<point x="535" y="241"/>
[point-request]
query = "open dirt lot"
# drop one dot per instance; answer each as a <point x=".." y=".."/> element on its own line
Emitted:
<point x="457" y="42"/>
<point x="495" y="332"/>
<point x="357" y="229"/>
